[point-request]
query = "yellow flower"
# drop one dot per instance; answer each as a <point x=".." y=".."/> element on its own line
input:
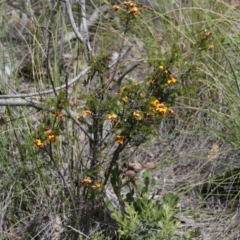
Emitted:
<point x="124" y="88"/>
<point x="51" y="134"/>
<point x="210" y="47"/>
<point x="161" y="67"/>
<point x="112" y="117"/>
<point x="138" y="115"/>
<point x="52" y="137"/>
<point x="162" y="110"/>
<point x="79" y="116"/>
<point x="116" y="7"/>
<point x="125" y="100"/>
<point x="155" y="103"/>
<point x="98" y="185"/>
<point x="120" y="139"/>
<point x="38" y="143"/>
<point x="58" y="114"/>
<point x="87" y="112"/>
<point x="171" y="112"/>
<point x="87" y="180"/>
<point x="134" y="11"/>
<point x="129" y="4"/>
<point x="172" y="80"/>
<point x="207" y="33"/>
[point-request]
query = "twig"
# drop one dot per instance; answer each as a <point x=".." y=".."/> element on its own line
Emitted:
<point x="50" y="154"/>
<point x="49" y="91"/>
<point x="119" y="80"/>
<point x="77" y="231"/>
<point x="49" y="68"/>
<point x="85" y="71"/>
<point x="90" y="22"/>
<point x="121" y="50"/>
<point x="74" y="26"/>
<point x="37" y="105"/>
<point x="84" y="26"/>
<point x="17" y="102"/>
<point x="115" y="157"/>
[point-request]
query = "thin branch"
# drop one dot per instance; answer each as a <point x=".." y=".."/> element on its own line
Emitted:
<point x="116" y="61"/>
<point x="119" y="80"/>
<point x="17" y="102"/>
<point x="50" y="154"/>
<point x="74" y="26"/>
<point x="49" y="91"/>
<point x="90" y="23"/>
<point x="77" y="231"/>
<point x="72" y="21"/>
<point x="115" y="157"/>
<point x="85" y="71"/>
<point x="38" y="106"/>
<point x="49" y="68"/>
<point x="120" y="50"/>
<point x="84" y="26"/>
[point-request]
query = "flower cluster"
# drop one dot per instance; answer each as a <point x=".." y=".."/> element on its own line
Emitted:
<point x="132" y="8"/>
<point x="97" y="185"/>
<point x="88" y="181"/>
<point x="125" y="100"/>
<point x="50" y="137"/>
<point x="210" y="47"/>
<point x="156" y="106"/>
<point x="116" y="7"/>
<point x="142" y="104"/>
<point x="120" y="139"/>
<point x="171" y="78"/>
<point x="208" y="35"/>
<point x="112" y="117"/>
<point x="38" y="143"/>
<point x="203" y="40"/>
<point x="58" y="114"/>
<point x="86" y="112"/>
<point x="138" y="115"/>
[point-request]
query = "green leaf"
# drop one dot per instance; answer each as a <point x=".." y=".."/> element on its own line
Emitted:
<point x="170" y="199"/>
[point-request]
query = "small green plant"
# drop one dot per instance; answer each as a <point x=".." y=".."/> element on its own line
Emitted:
<point x="145" y="218"/>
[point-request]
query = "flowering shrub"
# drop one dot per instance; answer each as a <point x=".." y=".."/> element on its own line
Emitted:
<point x="117" y="112"/>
